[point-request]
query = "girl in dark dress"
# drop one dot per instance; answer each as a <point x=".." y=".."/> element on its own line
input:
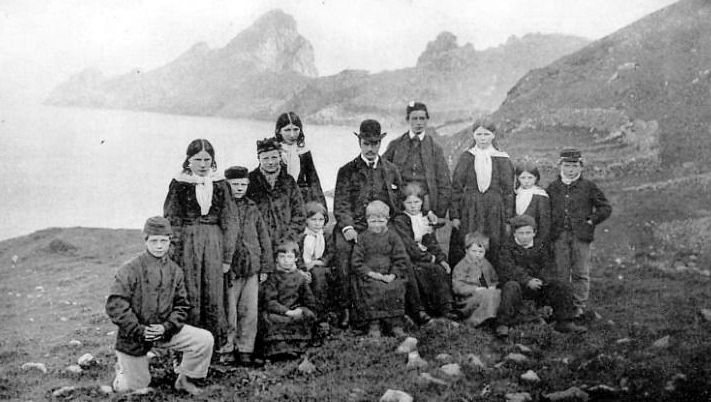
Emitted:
<point x="482" y="194"/>
<point x="297" y="157"/>
<point x="532" y="200"/>
<point x="193" y="206"/>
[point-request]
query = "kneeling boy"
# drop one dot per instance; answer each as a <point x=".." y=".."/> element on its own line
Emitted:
<point x="525" y="265"/>
<point x="149" y="303"/>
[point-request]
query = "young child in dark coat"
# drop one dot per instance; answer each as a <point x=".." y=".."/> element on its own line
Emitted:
<point x="248" y="260"/>
<point x="290" y="306"/>
<point x="149" y="304"/>
<point x="577" y="206"/>
<point x="525" y="268"/>
<point x="380" y="268"/>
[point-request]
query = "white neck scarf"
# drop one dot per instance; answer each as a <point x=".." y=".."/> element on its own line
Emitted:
<point x="290" y="155"/>
<point x="203" y="189"/>
<point x="482" y="166"/>
<point x="314" y="246"/>
<point x="420" y="226"/>
<point x="524" y="197"/>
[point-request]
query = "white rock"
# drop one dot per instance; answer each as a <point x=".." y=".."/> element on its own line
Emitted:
<point x="474" y="360"/>
<point x="306" y="366"/>
<point x="523" y="348"/>
<point x="706" y="313"/>
<point x="111" y="333"/>
<point x="14" y="259"/>
<point x="570" y="394"/>
<point x="516" y="357"/>
<point x="142" y="391"/>
<point x="444" y="358"/>
<point x="414" y="361"/>
<point x="518" y="397"/>
<point x="451" y="370"/>
<point x="623" y="341"/>
<point x="393" y="395"/>
<point x="75" y="343"/>
<point x="598" y="316"/>
<point x="106" y="389"/>
<point x="63" y="319"/>
<point x="662" y="343"/>
<point x="34" y="366"/>
<point x="86" y="360"/>
<point x="408" y="345"/>
<point x="426" y="378"/>
<point x="531" y="376"/>
<point x="73" y="369"/>
<point x="64" y="391"/>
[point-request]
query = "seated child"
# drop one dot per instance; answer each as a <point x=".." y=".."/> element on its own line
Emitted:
<point x="317" y="254"/>
<point x="248" y="259"/>
<point x="290" y="305"/>
<point x="380" y="271"/>
<point x="429" y="262"/>
<point x="526" y="267"/>
<point x="149" y="304"/>
<point x="474" y="282"/>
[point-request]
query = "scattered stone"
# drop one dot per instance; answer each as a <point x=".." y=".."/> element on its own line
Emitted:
<point x="451" y="370"/>
<point x="34" y="366"/>
<point x="86" y="360"/>
<point x="672" y="384"/>
<point x="426" y="379"/>
<point x="75" y="343"/>
<point x="570" y="394"/>
<point x="530" y="376"/>
<point x="602" y="389"/>
<point x="706" y="313"/>
<point x="63" y="392"/>
<point x="518" y="397"/>
<point x="392" y="395"/>
<point x="14" y="260"/>
<point x="106" y="389"/>
<point x="444" y="358"/>
<point x="474" y="360"/>
<point x="73" y="369"/>
<point x="624" y="384"/>
<point x="623" y="341"/>
<point x="142" y="391"/>
<point x="598" y="316"/>
<point x="610" y="322"/>
<point x="111" y="333"/>
<point x="662" y="343"/>
<point x="414" y="361"/>
<point x="306" y="367"/>
<point x="63" y="319"/>
<point x="523" y="348"/>
<point x="39" y="288"/>
<point x="408" y="345"/>
<point x="516" y="357"/>
<point x="357" y="395"/>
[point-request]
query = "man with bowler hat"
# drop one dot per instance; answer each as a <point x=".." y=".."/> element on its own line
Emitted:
<point x="364" y="179"/>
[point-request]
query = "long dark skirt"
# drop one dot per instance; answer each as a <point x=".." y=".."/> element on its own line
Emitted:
<point x="377" y="300"/>
<point x="434" y="286"/>
<point x="284" y="334"/>
<point x="484" y="213"/>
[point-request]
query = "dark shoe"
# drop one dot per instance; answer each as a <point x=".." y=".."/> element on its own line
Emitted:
<point x="502" y="331"/>
<point x="568" y="326"/>
<point x="423" y="318"/>
<point x="345" y="319"/>
<point x="248" y="360"/>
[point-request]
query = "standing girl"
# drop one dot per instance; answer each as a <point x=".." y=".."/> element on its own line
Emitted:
<point x="193" y="205"/>
<point x="297" y="157"/>
<point x="532" y="200"/>
<point x="482" y="194"/>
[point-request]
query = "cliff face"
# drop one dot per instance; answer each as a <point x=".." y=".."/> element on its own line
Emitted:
<point x="643" y="92"/>
<point x="269" y="67"/>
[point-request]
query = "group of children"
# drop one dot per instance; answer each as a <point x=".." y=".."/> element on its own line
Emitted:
<point x="281" y="291"/>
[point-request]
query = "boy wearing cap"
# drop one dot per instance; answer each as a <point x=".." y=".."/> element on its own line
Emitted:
<point x="577" y="206"/>
<point x="421" y="160"/>
<point x="247" y="262"/>
<point x="276" y="194"/>
<point x="525" y="268"/>
<point x="149" y="304"/>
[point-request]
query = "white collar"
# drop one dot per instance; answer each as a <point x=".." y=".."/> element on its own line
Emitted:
<point x="367" y="162"/>
<point x="490" y="151"/>
<point x="420" y="136"/>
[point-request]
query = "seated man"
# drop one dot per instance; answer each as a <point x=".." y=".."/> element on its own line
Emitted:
<point x="525" y="266"/>
<point x="149" y="303"/>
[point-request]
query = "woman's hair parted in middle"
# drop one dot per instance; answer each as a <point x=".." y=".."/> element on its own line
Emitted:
<point x="194" y="148"/>
<point x="284" y="120"/>
<point x="312" y="208"/>
<point x="529" y="167"/>
<point x="412" y="188"/>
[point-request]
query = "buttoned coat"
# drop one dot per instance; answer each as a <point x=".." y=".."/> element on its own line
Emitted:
<point x="581" y="201"/>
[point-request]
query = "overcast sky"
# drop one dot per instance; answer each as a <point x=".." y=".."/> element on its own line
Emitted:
<point x="43" y="42"/>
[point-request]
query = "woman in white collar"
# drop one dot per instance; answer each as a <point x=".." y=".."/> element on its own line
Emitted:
<point x="482" y="193"/>
<point x="533" y="200"/>
<point x="296" y="156"/>
<point x="194" y="205"/>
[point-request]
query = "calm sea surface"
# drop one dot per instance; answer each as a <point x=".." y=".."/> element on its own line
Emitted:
<point x="65" y="167"/>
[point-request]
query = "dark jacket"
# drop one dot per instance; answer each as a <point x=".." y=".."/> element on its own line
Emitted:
<point x="243" y="222"/>
<point x="146" y="291"/>
<point x="308" y="180"/>
<point x="540" y="210"/>
<point x="520" y="264"/>
<point x="436" y="173"/>
<point x="573" y="205"/>
<point x="282" y="207"/>
<point x="380" y="252"/>
<point x="284" y="291"/>
<point x="402" y="225"/>
<point x="354" y="190"/>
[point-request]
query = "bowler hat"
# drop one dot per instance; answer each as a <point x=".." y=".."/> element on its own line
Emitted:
<point x="370" y="130"/>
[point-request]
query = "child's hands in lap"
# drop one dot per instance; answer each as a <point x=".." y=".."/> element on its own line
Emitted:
<point x="306" y="275"/>
<point x="534" y="284"/>
<point x="153" y="332"/>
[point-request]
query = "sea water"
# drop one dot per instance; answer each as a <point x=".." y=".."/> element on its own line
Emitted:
<point x="64" y="167"/>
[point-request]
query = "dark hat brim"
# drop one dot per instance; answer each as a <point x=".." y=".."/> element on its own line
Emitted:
<point x="366" y="135"/>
